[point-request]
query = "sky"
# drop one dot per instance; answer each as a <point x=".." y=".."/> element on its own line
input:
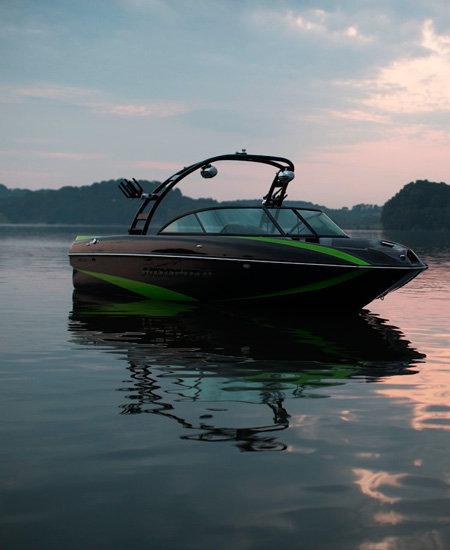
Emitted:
<point x="355" y="92"/>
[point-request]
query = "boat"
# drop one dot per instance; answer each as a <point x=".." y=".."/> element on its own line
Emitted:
<point x="270" y="254"/>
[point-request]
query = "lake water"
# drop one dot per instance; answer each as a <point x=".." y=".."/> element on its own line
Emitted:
<point x="145" y="425"/>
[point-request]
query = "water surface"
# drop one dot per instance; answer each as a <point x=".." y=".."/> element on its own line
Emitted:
<point x="148" y="425"/>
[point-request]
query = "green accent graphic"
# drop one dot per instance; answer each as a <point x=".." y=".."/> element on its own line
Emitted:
<point x="309" y="246"/>
<point x="84" y="237"/>
<point x="311" y="287"/>
<point x="326" y="377"/>
<point x="144" y="289"/>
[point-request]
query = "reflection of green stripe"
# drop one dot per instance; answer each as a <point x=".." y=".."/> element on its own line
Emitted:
<point x="144" y="289"/>
<point x="314" y="247"/>
<point x="311" y="287"/>
<point x="84" y="238"/>
<point x="143" y="308"/>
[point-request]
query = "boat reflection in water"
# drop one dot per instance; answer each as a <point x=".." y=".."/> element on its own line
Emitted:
<point x="185" y="361"/>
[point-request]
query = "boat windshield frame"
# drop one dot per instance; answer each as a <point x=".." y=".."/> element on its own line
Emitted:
<point x="304" y="228"/>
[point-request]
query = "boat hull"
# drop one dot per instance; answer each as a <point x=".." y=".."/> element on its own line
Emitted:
<point x="252" y="274"/>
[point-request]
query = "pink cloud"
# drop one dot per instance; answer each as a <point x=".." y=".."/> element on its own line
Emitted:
<point x="14" y="177"/>
<point x="411" y="84"/>
<point x="361" y="115"/>
<point x="17" y="94"/>
<point x="140" y="110"/>
<point x="92" y="99"/>
<point x="73" y="156"/>
<point x="311" y="21"/>
<point x="156" y="165"/>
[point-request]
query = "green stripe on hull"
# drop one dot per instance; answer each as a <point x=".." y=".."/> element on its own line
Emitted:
<point x="311" y="287"/>
<point x="143" y="289"/>
<point x="309" y="246"/>
<point x="159" y="293"/>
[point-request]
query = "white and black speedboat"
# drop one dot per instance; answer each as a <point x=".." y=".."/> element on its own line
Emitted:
<point x="267" y="254"/>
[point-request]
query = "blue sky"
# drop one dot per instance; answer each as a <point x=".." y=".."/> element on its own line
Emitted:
<point x="355" y="92"/>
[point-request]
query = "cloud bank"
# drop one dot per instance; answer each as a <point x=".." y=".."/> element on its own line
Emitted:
<point x="355" y="93"/>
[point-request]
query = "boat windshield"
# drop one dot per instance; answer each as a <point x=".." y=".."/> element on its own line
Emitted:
<point x="321" y="223"/>
<point x="292" y="222"/>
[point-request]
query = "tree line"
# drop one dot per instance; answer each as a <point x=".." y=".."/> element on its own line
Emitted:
<point x="419" y="205"/>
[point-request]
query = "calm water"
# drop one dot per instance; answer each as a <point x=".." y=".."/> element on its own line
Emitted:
<point x="143" y="425"/>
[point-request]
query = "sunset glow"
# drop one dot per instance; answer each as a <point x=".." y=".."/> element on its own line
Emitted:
<point x="351" y="93"/>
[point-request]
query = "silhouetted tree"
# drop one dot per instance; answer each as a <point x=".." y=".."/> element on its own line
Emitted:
<point x="419" y="205"/>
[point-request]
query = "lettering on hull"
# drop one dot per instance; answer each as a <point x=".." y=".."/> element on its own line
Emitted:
<point x="182" y="273"/>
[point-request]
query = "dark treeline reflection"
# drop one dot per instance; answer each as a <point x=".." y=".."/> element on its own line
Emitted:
<point x="197" y="365"/>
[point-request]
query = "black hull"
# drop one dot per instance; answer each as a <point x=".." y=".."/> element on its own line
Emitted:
<point x="201" y="279"/>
